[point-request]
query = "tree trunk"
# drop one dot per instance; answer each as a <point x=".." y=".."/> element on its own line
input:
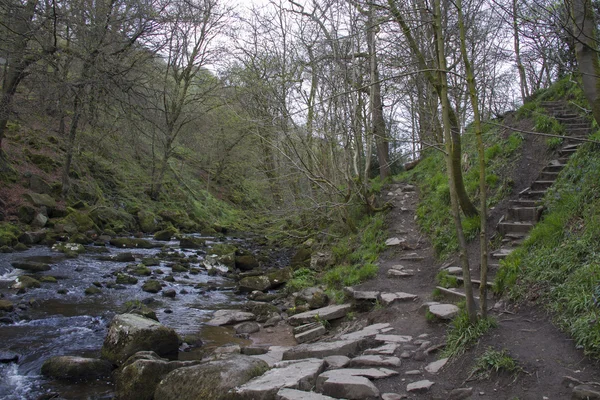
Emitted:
<point x="66" y="186"/>
<point x="520" y="67"/>
<point x="452" y="183"/>
<point x="586" y="50"/>
<point x="483" y="245"/>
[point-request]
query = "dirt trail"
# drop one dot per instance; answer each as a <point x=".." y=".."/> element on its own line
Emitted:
<point x="546" y="354"/>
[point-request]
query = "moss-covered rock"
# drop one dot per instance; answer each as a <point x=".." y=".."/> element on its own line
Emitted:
<point x="77" y="221"/>
<point x="221" y="249"/>
<point x="190" y="242"/>
<point x="92" y="290"/>
<point x="130" y="333"/>
<point x="148" y="221"/>
<point x="131" y="243"/>
<point x="252" y="283"/>
<point x="40" y="199"/>
<point x="140" y="270"/>
<point x="246" y="262"/>
<point x="178" y="268"/>
<point x="8" y="234"/>
<point x="20" y="247"/>
<point x="139" y="308"/>
<point x="72" y="368"/>
<point x="26" y="282"/>
<point x="6" y="306"/>
<point x="166" y="234"/>
<point x="302" y="258"/>
<point x="43" y="162"/>
<point x="26" y="213"/>
<point x="124" y="279"/>
<point x="150" y="261"/>
<point x="31" y="266"/>
<point x="38" y="185"/>
<point x="212" y="380"/>
<point x="113" y="218"/>
<point x="151" y="286"/>
<point x="48" y="279"/>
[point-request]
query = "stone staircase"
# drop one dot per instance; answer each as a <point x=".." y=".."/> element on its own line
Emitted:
<point x="524" y="212"/>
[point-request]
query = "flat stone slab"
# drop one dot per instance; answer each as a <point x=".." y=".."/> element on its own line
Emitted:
<point x="370" y="373"/>
<point x="227" y="317"/>
<point x="444" y="311"/>
<point x="306" y="327"/>
<point x="394" y="338"/>
<point x="324" y="349"/>
<point x="454" y="270"/>
<point x="400" y="273"/>
<point x="273" y="355"/>
<point x="435" y="366"/>
<point x="390" y="298"/>
<point x="336" y="362"/>
<point x="374" y="361"/>
<point x="419" y="387"/>
<point x="367" y="332"/>
<point x="394" y="241"/>
<point x="294" y="375"/>
<point x="325" y="314"/>
<point x="411" y="257"/>
<point x="342" y="385"/>
<point x="386" y="349"/>
<point x="312" y="334"/>
<point x="365" y="295"/>
<point x="293" y="394"/>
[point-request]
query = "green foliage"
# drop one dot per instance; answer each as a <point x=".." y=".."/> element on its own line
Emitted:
<point x="554" y="143"/>
<point x="527" y="110"/>
<point x="559" y="263"/>
<point x="462" y="334"/>
<point x="444" y="279"/>
<point x="349" y="275"/>
<point x="302" y="278"/>
<point x="547" y="124"/>
<point x="494" y="361"/>
<point x="8" y="234"/>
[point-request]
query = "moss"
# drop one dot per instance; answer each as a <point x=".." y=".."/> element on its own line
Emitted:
<point x="222" y="249"/>
<point x="8" y="234"/>
<point x="80" y="220"/>
<point x="166" y="234"/>
<point x="151" y="286"/>
<point x="148" y="221"/>
<point x="43" y="162"/>
<point x="92" y="290"/>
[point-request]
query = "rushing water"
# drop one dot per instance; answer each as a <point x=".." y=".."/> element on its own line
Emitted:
<point x="52" y="324"/>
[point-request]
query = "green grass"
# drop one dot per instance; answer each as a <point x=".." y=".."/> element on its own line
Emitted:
<point x="444" y="279"/>
<point x="462" y="334"/>
<point x="559" y="263"/>
<point x="494" y="361"/>
<point x="303" y="278"/>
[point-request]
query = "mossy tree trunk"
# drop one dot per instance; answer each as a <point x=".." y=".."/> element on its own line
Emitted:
<point x="452" y="183"/>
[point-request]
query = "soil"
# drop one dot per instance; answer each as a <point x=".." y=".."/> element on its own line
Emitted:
<point x="525" y="331"/>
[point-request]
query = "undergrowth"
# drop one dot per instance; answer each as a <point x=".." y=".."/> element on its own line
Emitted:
<point x="462" y="334"/>
<point x="559" y="263"/>
<point x="494" y="361"/>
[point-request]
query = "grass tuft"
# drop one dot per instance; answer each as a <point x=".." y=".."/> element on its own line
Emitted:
<point x="462" y="334"/>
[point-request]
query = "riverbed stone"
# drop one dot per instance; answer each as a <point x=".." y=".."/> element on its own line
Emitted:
<point x="434" y="367"/>
<point x="374" y="361"/>
<point x="324" y="349"/>
<point x="246" y="262"/>
<point x="311" y="334"/>
<point x="336" y="362"/>
<point x="6" y="306"/>
<point x="166" y="234"/>
<point x="293" y="394"/>
<point x="26" y="282"/>
<point x="130" y="333"/>
<point x="252" y="283"/>
<point x="247" y="327"/>
<point x="228" y="317"/>
<point x="369" y="331"/>
<point x="324" y="314"/>
<point x="444" y="311"/>
<point x="393" y="338"/>
<point x="295" y="375"/>
<point x="31" y="266"/>
<point x="211" y="380"/>
<point x="190" y="242"/>
<point x="7" y="357"/>
<point x="314" y="297"/>
<point x="419" y="386"/>
<point x="142" y="372"/>
<point x="152" y="286"/>
<point x="71" y="368"/>
<point x="347" y="384"/>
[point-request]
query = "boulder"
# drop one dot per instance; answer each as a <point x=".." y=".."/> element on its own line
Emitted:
<point x="40" y="199"/>
<point x="324" y="349"/>
<point x="246" y="262"/>
<point x="228" y="317"/>
<point x="39" y="221"/>
<point x="247" y="328"/>
<point x="72" y="368"/>
<point x="301" y="259"/>
<point x="252" y="283"/>
<point x="131" y="243"/>
<point x="166" y="234"/>
<point x="26" y="282"/>
<point x="322" y="314"/>
<point x="31" y="266"/>
<point x="142" y="372"/>
<point x="130" y="333"/>
<point x="212" y="380"/>
<point x="294" y="375"/>
<point x="148" y="222"/>
<point x="336" y="362"/>
<point x="321" y="260"/>
<point x="190" y="242"/>
<point x="152" y="286"/>
<point x="139" y="308"/>
<point x="6" y="306"/>
<point x="314" y="297"/>
<point x="343" y="383"/>
<point x="26" y="213"/>
<point x="113" y="219"/>
<point x="78" y="221"/>
<point x="38" y="185"/>
<point x="32" y="237"/>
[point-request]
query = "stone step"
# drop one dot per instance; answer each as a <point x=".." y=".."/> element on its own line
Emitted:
<point x="541" y="185"/>
<point x="524" y="214"/>
<point x="548" y="176"/>
<point x="563" y="160"/>
<point x="476" y="281"/>
<point x="566" y="152"/>
<point x="524" y="203"/>
<point x="554" y="167"/>
<point x="534" y="194"/>
<point x="502" y="253"/>
<point x="514" y="227"/>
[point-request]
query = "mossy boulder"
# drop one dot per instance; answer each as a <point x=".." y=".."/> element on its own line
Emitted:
<point x="31" y="266"/>
<point x="140" y="270"/>
<point x="124" y="279"/>
<point x="179" y="219"/>
<point x="131" y="243"/>
<point x="313" y="297"/>
<point x="40" y="199"/>
<point x="130" y="333"/>
<point x="26" y="282"/>
<point x="43" y="162"/>
<point x="26" y="213"/>
<point x="77" y="221"/>
<point x="212" y="380"/>
<point x="70" y="368"/>
<point x="68" y="248"/>
<point x="113" y="218"/>
<point x="142" y="372"/>
<point x="246" y="262"/>
<point x="222" y="249"/>
<point x="166" y="234"/>
<point x="6" y="306"/>
<point x="92" y="290"/>
<point x="280" y="277"/>
<point x="148" y="221"/>
<point x="301" y="258"/>
<point x="151" y="261"/>
<point x="48" y="279"/>
<point x="152" y="286"/>
<point x="190" y="242"/>
<point x="252" y="283"/>
<point x="32" y="237"/>
<point x="178" y="268"/>
<point x="139" y="308"/>
<point x="8" y="234"/>
<point x="38" y="185"/>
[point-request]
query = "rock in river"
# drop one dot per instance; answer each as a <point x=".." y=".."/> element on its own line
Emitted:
<point x="76" y="368"/>
<point x="212" y="380"/>
<point x="130" y="333"/>
<point x="226" y="317"/>
<point x="31" y="266"/>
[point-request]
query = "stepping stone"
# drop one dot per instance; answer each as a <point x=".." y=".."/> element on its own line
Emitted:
<point x="394" y="241"/>
<point x="389" y="298"/>
<point x="227" y="317"/>
<point x="324" y="349"/>
<point x="385" y="350"/>
<point x="342" y="385"/>
<point x="393" y="396"/>
<point x="306" y="327"/>
<point x="444" y="311"/>
<point x="419" y="387"/>
<point x="454" y="270"/>
<point x="362" y="295"/>
<point x="397" y="273"/>
<point x="274" y="355"/>
<point x="367" y="332"/>
<point x="374" y="361"/>
<point x="293" y="394"/>
<point x="294" y="375"/>
<point x="336" y="362"/>
<point x="324" y="314"/>
<point x="411" y="257"/>
<point x="435" y="366"/>
<point x="311" y="334"/>
<point x="393" y="338"/>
